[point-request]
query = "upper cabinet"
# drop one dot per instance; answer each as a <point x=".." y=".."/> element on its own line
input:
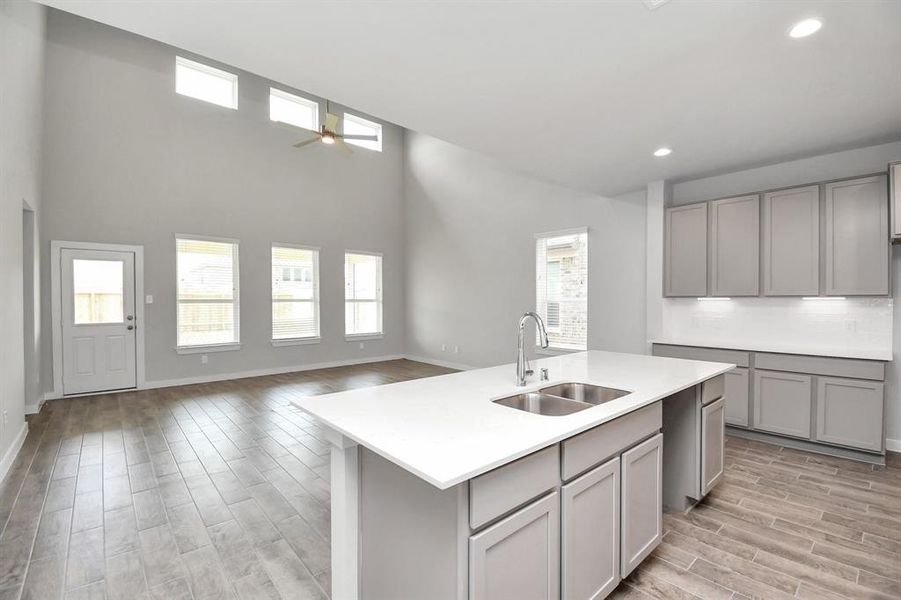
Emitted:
<point x="895" y="187"/>
<point x="685" y="251"/>
<point x="791" y="242"/>
<point x="856" y="237"/>
<point x="734" y="246"/>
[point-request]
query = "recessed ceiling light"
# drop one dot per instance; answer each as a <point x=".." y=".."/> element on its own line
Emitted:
<point x="805" y="28"/>
<point x="662" y="152"/>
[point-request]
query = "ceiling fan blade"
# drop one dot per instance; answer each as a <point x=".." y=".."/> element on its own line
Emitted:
<point x="308" y="142"/>
<point x="344" y="148"/>
<point x="331" y="122"/>
<point x="369" y="138"/>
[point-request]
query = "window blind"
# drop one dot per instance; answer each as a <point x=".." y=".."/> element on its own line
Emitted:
<point x="295" y="293"/>
<point x="561" y="284"/>
<point x="362" y="294"/>
<point x="207" y="294"/>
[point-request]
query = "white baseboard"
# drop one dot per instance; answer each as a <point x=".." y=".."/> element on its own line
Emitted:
<point x="10" y="455"/>
<point x="164" y="383"/>
<point x="892" y="445"/>
<point x="439" y="362"/>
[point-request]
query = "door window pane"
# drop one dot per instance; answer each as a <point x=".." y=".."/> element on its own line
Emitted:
<point x="362" y="294"/>
<point x="98" y="290"/>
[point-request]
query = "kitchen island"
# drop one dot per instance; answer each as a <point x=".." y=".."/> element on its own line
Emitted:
<point x="436" y="487"/>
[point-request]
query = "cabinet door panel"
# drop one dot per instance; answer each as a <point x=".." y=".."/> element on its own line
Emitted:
<point x="737" y="397"/>
<point x="685" y="248"/>
<point x="735" y="246"/>
<point x="519" y="557"/>
<point x="857" y="240"/>
<point x="713" y="430"/>
<point x="895" y="192"/>
<point x="590" y="506"/>
<point x="849" y="412"/>
<point x="782" y="403"/>
<point x="642" y="502"/>
<point x="791" y="242"/>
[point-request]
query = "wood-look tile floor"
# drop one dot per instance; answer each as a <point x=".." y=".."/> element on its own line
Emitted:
<point x="207" y="491"/>
<point x="782" y="524"/>
<point x="221" y="491"/>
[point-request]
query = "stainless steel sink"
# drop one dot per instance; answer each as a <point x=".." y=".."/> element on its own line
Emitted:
<point x="583" y="392"/>
<point x="543" y="404"/>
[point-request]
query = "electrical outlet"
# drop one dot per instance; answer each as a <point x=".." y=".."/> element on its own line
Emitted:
<point x="361" y="345"/>
<point x="851" y="325"/>
<point x="456" y="349"/>
<point x="5" y="418"/>
<point x="204" y="359"/>
<point x="148" y="299"/>
<point x="444" y="347"/>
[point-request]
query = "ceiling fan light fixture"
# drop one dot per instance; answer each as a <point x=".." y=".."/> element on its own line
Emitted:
<point x="328" y="138"/>
<point x="661" y="152"/>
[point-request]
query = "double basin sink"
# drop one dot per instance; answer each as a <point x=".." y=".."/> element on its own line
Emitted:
<point x="562" y="399"/>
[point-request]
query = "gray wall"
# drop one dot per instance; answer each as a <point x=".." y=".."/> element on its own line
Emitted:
<point x="819" y="168"/>
<point x="22" y="27"/>
<point x="129" y="161"/>
<point x="470" y="255"/>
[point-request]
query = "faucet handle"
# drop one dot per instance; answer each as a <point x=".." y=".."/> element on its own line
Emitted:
<point x="544" y="375"/>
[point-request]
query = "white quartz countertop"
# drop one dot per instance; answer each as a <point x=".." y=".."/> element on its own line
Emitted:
<point x="785" y="348"/>
<point x="447" y="430"/>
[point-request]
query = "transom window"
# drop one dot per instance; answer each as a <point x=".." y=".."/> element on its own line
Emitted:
<point x="354" y="125"/>
<point x="292" y="109"/>
<point x="362" y="294"/>
<point x="561" y="285"/>
<point x="206" y="83"/>
<point x="295" y="293"/>
<point x="207" y="295"/>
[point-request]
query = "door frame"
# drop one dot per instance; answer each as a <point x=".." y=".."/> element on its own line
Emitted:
<point x="56" y="248"/>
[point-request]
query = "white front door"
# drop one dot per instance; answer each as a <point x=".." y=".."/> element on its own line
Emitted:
<point x="98" y="320"/>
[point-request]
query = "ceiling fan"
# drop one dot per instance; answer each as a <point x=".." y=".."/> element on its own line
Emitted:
<point x="329" y="135"/>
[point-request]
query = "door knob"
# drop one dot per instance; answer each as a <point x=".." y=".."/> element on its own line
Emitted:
<point x="130" y="327"/>
<point x="130" y="317"/>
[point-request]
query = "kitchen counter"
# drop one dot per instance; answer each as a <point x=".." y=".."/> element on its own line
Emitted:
<point x="446" y="429"/>
<point x="784" y="348"/>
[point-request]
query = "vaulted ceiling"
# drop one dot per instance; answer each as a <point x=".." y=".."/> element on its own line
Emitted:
<point x="580" y="93"/>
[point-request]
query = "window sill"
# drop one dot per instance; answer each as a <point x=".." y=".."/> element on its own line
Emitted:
<point x="296" y="342"/>
<point x="209" y="348"/>
<point x="555" y="351"/>
<point x="362" y="337"/>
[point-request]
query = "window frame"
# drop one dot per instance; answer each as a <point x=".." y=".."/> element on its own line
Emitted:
<point x="551" y="349"/>
<point x="209" y="70"/>
<point x="236" y="297"/>
<point x="291" y="97"/>
<point x="380" y="298"/>
<point x="366" y="123"/>
<point x="297" y="341"/>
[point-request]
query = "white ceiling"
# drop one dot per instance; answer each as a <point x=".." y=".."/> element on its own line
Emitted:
<point x="577" y="92"/>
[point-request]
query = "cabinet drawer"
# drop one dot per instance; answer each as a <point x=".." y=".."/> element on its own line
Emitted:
<point x="782" y="403"/>
<point x="736" y="357"/>
<point x="588" y="449"/>
<point x="849" y="412"/>
<point x="821" y="365"/>
<point x="503" y="489"/>
<point x="713" y="389"/>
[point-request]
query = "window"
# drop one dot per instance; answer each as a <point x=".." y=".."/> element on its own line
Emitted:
<point x="295" y="293"/>
<point x="354" y="125"/>
<point x="561" y="285"/>
<point x="294" y="110"/>
<point x="208" y="312"/>
<point x="206" y="83"/>
<point x="362" y="294"/>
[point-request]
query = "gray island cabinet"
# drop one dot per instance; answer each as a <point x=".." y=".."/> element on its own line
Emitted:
<point x="565" y="519"/>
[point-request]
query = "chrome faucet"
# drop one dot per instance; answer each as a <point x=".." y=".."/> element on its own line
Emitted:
<point x="522" y="364"/>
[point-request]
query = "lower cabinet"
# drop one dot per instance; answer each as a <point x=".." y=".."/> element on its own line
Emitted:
<point x="642" y="502"/>
<point x="782" y="403"/>
<point x="519" y="557"/>
<point x="849" y="412"/>
<point x="713" y="428"/>
<point x="737" y="397"/>
<point x="591" y="514"/>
